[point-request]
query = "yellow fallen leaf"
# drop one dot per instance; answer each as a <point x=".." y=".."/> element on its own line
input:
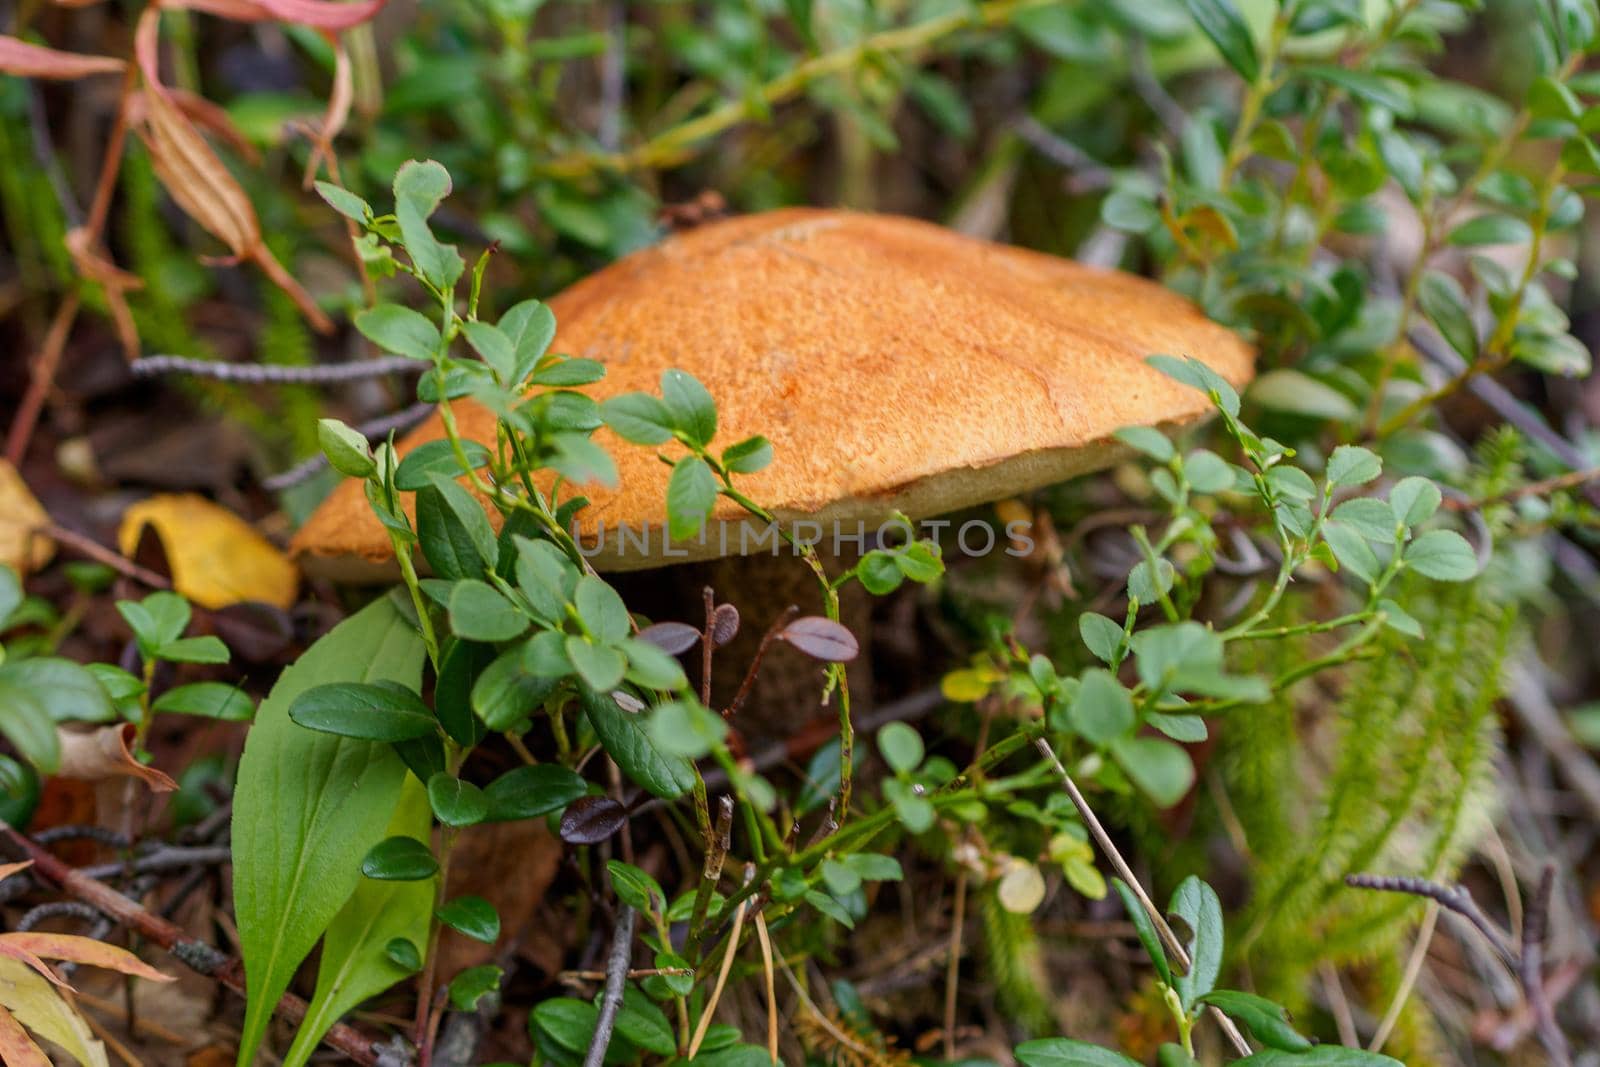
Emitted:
<point x="21" y="547"/>
<point x="217" y="558"/>
<point x="42" y="1009"/>
<point x="94" y="755"/>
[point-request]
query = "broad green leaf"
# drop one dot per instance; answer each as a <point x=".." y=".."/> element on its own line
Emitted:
<point x="1353" y="465"/>
<point x="418" y="189"/>
<point x="456" y="538"/>
<point x="400" y="858"/>
<point x="347" y="451"/>
<point x="1146" y="439"/>
<point x="600" y="666"/>
<point x="370" y="712"/>
<point x="68" y="691"/>
<point x="626" y="740"/>
<point x="691" y="493"/>
<point x="416" y="471"/>
<point x="1296" y="392"/>
<point x="210" y="700"/>
<point x="505" y="694"/>
<point x="292" y="876"/>
<point x="748" y="456"/>
<point x="694" y="413"/>
<point x="1162" y="769"/>
<point x="901" y="746"/>
<point x="1102" y="711"/>
<point x="1064" y="1052"/>
<point x="1320" y="1056"/>
<point x="1197" y="905"/>
<point x="1490" y="230"/>
<point x="399" y="330"/>
<point x="638" y="418"/>
<point x="455" y="802"/>
<point x="527" y="792"/>
<point x="1443" y="555"/>
<point x="471" y="917"/>
<point x="1267" y="1021"/>
<point x="1445" y="303"/>
<point x="1100" y="635"/>
<point x="1352" y="551"/>
<point x="345" y="202"/>
<point x="601" y="609"/>
<point x="480" y="612"/>
<point x="26" y="723"/>
<point x="356" y="964"/>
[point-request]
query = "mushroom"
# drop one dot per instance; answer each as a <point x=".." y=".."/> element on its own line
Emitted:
<point x="895" y="366"/>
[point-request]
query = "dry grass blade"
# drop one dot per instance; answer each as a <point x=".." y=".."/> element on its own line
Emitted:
<point x="334" y="118"/>
<point x="36" y="61"/>
<point x="112" y="279"/>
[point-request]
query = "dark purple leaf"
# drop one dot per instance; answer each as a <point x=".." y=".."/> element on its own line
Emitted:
<point x="724" y="624"/>
<point x="590" y="820"/>
<point x="673" y="638"/>
<point x="822" y="639"/>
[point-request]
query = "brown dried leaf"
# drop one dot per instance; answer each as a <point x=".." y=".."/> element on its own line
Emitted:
<point x="198" y="181"/>
<point x="203" y="113"/>
<point x="84" y="950"/>
<point x="104" y="753"/>
<point x="36" y="61"/>
<point x="338" y="112"/>
<point x="112" y="279"/>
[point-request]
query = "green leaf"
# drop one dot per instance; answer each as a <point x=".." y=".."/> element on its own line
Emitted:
<point x="1197" y="905"/>
<point x="1221" y="21"/>
<point x="691" y="493"/>
<point x="878" y="572"/>
<point x="874" y="867"/>
<point x="1162" y="769"/>
<point x="1100" y="635"/>
<point x="455" y="535"/>
<point x="546" y="577"/>
<point x="1145" y="927"/>
<point x="601" y="609"/>
<point x="645" y="1026"/>
<point x="345" y="202"/>
<point x="1445" y="303"/>
<point x="1442" y="555"/>
<point x="829" y="907"/>
<point x="1490" y="230"/>
<point x="10" y="593"/>
<point x="400" y="859"/>
<point x="495" y="348"/>
<point x="1145" y="439"/>
<point x="901" y="746"/>
<point x="1352" y="551"/>
<point x="67" y="691"/>
<point x="694" y="413"/>
<point x="431" y="458"/>
<point x="639" y="418"/>
<point x="472" y="985"/>
<point x="291" y="877"/>
<point x="480" y="612"/>
<point x="418" y="189"/>
<point x="1414" y="500"/>
<point x="625" y="740"/>
<point x="347" y="450"/>
<point x="206" y="649"/>
<point x="1298" y="393"/>
<point x="528" y="792"/>
<point x="1353" y="465"/>
<point x="370" y="712"/>
<point x="472" y="917"/>
<point x="531" y="326"/>
<point x="1064" y="1052"/>
<point x="27" y="724"/>
<point x="600" y="666"/>
<point x="460" y="666"/>
<point x="456" y="803"/>
<point x="1191" y="371"/>
<point x="1267" y="1021"/>
<point x="1103" y="710"/>
<point x="1368" y="516"/>
<point x="569" y="372"/>
<point x="568" y="1023"/>
<point x="357" y="963"/>
<point x="686" y="728"/>
<point x="210" y="700"/>
<point x="651" y="668"/>
<point x="635" y="888"/>
<point x="748" y="456"/>
<point x="399" y="330"/>
<point x="158" y="619"/>
<point x="1398" y="619"/>
<point x="505" y="694"/>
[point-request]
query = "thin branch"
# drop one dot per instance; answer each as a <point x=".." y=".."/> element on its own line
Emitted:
<point x="616" y="983"/>
<point x="278" y="374"/>
<point x="1112" y="853"/>
<point x="197" y="955"/>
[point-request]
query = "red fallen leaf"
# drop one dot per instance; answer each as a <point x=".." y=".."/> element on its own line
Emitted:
<point x="822" y="639"/>
<point x="320" y="14"/>
<point x="16" y="1047"/>
<point x="36" y="61"/>
<point x="84" y="950"/>
<point x="17" y="952"/>
<point x="673" y="638"/>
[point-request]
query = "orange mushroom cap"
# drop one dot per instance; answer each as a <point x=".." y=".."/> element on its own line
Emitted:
<point x="894" y="364"/>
